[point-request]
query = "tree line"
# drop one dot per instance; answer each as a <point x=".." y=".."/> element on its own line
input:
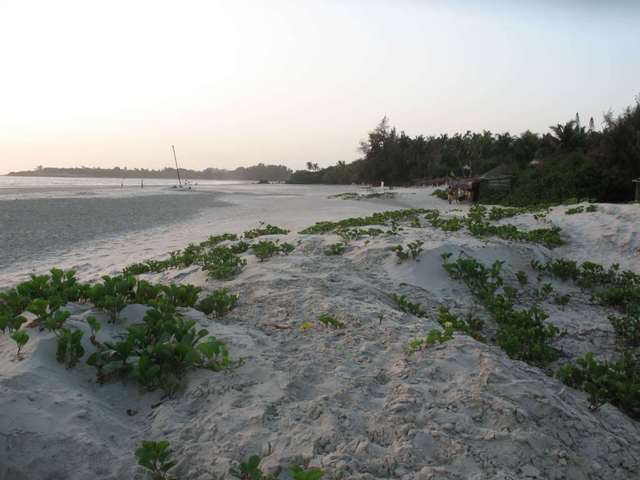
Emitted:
<point x="273" y="173"/>
<point x="572" y="160"/>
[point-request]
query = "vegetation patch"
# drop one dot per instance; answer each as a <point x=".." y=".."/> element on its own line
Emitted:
<point x="155" y="458"/>
<point x="581" y="209"/>
<point x="522" y="334"/>
<point x="222" y="263"/>
<point x="498" y="213"/>
<point x="476" y="222"/>
<point x="157" y="352"/>
<point x="330" y="321"/>
<point x="265" y="249"/>
<point x="608" y="286"/>
<point x="434" y="337"/>
<point x="335" y="249"/>
<point x="378" y="218"/>
<point x="440" y="193"/>
<point x="263" y="229"/>
<point x="405" y="305"/>
<point x="364" y="196"/>
<point x="219" y="303"/>
<point x="616" y="382"/>
<point x="250" y="470"/>
<point x="413" y="250"/>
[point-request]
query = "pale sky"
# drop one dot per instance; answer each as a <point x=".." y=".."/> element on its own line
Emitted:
<point x="230" y="83"/>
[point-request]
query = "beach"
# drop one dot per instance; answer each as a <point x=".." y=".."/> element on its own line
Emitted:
<point x="99" y="229"/>
<point x="349" y="400"/>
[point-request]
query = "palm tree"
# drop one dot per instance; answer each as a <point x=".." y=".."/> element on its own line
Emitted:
<point x="569" y="135"/>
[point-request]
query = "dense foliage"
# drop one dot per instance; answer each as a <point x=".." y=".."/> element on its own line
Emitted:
<point x="570" y="161"/>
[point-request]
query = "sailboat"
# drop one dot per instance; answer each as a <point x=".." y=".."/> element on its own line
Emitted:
<point x="181" y="185"/>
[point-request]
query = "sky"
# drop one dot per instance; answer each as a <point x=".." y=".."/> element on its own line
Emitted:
<point x="235" y="83"/>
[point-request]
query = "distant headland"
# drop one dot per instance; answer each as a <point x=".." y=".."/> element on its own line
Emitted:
<point x="256" y="172"/>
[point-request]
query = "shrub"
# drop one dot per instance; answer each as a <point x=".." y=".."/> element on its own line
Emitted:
<point x="155" y="458"/>
<point x="222" y="263"/>
<point x="415" y="248"/>
<point x="10" y="322"/>
<point x="400" y="253"/>
<point x="617" y="382"/>
<point x="95" y="327"/>
<point x="469" y="325"/>
<point x="264" y="230"/>
<point x="267" y="249"/>
<point x="56" y="321"/>
<point x="214" y="240"/>
<point x="440" y="193"/>
<point x="70" y="350"/>
<point x="406" y="306"/>
<point x="627" y="327"/>
<point x="574" y="210"/>
<point x="521" y="276"/>
<point x="146" y="292"/>
<point x="434" y="337"/>
<point x="113" y="294"/>
<point x="286" y="248"/>
<point x="219" y="302"/>
<point x="562" y="300"/>
<point x="250" y="470"/>
<point x="240" y="247"/>
<point x="181" y="295"/>
<point x="452" y="224"/>
<point x="21" y="338"/>
<point x="335" y="249"/>
<point x="299" y="473"/>
<point x="159" y="351"/>
<point x="330" y="321"/>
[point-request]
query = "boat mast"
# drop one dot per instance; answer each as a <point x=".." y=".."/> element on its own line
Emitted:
<point x="176" y="160"/>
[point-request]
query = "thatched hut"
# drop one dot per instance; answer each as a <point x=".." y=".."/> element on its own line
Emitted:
<point x="494" y="184"/>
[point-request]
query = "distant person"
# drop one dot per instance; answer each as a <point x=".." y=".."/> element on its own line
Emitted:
<point x="450" y="194"/>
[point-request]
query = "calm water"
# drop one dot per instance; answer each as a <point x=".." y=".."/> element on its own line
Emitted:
<point x="57" y="182"/>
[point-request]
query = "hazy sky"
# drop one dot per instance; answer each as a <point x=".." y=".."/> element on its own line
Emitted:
<point x="230" y="83"/>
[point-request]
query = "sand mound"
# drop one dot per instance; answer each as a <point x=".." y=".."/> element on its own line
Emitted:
<point x="350" y="401"/>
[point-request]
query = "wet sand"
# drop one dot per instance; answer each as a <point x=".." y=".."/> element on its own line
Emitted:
<point x="34" y="228"/>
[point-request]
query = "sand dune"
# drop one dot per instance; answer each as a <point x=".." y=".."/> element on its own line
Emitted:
<point x="350" y="401"/>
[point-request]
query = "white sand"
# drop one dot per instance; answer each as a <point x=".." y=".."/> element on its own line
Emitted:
<point x="350" y="401"/>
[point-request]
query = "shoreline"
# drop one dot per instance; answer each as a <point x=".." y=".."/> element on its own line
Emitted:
<point x="95" y="249"/>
